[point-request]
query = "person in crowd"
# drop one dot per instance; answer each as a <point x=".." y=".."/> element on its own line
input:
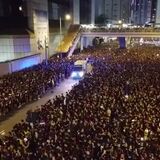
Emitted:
<point x="30" y="84"/>
<point x="112" y="114"/>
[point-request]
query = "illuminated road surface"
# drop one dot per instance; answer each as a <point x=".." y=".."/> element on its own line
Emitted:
<point x="8" y="124"/>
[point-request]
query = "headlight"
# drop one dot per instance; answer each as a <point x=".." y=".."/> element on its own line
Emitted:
<point x="81" y="74"/>
<point x="74" y="74"/>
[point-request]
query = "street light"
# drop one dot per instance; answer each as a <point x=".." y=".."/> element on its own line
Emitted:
<point x="120" y="22"/>
<point x="20" y="8"/>
<point x="68" y="17"/>
<point x="46" y="50"/>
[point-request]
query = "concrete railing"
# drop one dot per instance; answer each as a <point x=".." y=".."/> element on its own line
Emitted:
<point x="68" y="39"/>
<point x="121" y="34"/>
<point x="74" y="45"/>
<point x="104" y="29"/>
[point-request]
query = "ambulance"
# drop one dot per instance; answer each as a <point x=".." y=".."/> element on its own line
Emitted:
<point x="79" y="69"/>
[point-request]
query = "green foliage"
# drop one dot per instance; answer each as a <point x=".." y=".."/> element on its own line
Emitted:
<point x="101" y="19"/>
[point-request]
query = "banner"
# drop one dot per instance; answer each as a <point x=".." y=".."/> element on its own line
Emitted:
<point x="122" y="42"/>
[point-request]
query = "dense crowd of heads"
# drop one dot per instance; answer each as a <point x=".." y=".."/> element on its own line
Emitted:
<point x="30" y="84"/>
<point x="112" y="114"/>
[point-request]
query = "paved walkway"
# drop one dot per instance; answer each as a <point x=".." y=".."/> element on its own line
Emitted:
<point x="8" y="124"/>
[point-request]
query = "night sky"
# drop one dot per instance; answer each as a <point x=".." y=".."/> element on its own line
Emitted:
<point x="11" y="7"/>
<point x="11" y="16"/>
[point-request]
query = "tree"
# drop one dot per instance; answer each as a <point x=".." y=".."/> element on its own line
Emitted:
<point x="101" y="19"/>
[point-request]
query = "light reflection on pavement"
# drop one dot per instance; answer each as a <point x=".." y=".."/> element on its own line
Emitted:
<point x="8" y="124"/>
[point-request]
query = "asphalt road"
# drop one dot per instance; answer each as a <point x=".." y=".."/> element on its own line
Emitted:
<point x="7" y="125"/>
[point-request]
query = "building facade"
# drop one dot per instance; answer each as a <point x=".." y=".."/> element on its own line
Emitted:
<point x="86" y="11"/>
<point x="116" y="10"/>
<point x="83" y="11"/>
<point x="24" y="28"/>
<point x="153" y="11"/>
<point x="157" y="19"/>
<point x="143" y="11"/>
<point x="1" y="9"/>
<point x="99" y="8"/>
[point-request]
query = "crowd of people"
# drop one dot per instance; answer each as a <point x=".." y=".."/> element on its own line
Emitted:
<point x="112" y="114"/>
<point x="25" y="86"/>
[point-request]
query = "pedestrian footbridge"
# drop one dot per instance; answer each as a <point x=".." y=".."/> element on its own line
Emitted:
<point x="68" y="39"/>
<point x="121" y="34"/>
<point x="79" y="36"/>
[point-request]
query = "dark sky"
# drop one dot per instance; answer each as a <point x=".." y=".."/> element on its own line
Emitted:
<point x="11" y="16"/>
<point x="11" y="7"/>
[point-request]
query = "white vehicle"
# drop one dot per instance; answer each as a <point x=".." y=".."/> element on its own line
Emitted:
<point x="79" y="69"/>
